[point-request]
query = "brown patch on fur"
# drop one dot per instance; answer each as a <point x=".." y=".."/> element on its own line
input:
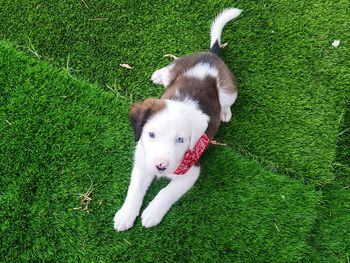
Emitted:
<point x="141" y="112"/>
<point x="154" y="104"/>
<point x="204" y="91"/>
<point x="226" y="79"/>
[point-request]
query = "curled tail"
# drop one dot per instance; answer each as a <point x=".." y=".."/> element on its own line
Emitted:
<point x="216" y="28"/>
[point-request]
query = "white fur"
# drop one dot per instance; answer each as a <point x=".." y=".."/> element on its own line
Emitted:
<point x="160" y="205"/>
<point x="163" y="76"/>
<point x="183" y="119"/>
<point x="226" y="100"/>
<point x="140" y="181"/>
<point x="201" y="71"/>
<point x="220" y="21"/>
<point x="178" y="119"/>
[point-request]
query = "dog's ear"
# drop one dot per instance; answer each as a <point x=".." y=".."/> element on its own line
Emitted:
<point x="141" y="112"/>
<point x="138" y="117"/>
<point x="199" y="126"/>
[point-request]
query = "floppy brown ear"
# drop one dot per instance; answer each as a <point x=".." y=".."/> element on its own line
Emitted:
<point x="138" y="117"/>
<point x="141" y="112"/>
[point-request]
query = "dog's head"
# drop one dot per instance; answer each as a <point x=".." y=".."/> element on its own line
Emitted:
<point x="165" y="130"/>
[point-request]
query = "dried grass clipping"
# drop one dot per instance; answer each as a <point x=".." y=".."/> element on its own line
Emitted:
<point x="126" y="66"/>
<point x="85" y="199"/>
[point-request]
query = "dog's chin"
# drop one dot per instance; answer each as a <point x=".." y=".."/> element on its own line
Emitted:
<point x="170" y="170"/>
<point x="161" y="173"/>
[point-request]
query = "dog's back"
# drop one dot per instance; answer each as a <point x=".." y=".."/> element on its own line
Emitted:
<point x="204" y="77"/>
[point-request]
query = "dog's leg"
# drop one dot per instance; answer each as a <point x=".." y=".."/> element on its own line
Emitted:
<point x="163" y="76"/>
<point x="125" y="217"/>
<point x="226" y="100"/>
<point x="159" y="206"/>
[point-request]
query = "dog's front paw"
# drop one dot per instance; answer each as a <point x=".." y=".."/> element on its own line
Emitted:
<point x="153" y="214"/>
<point x="157" y="76"/>
<point x="124" y="219"/>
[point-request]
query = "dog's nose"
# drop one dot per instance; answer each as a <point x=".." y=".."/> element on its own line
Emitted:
<point x="162" y="165"/>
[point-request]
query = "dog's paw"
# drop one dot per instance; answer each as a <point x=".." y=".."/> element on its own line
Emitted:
<point x="153" y="214"/>
<point x="226" y="114"/>
<point x="124" y="219"/>
<point x="162" y="76"/>
<point x="157" y="76"/>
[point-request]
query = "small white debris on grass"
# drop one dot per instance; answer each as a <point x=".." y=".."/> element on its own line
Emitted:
<point x="336" y="43"/>
<point x="85" y="199"/>
<point x="85" y="4"/>
<point x="171" y="56"/>
<point x="126" y="66"/>
<point x="127" y="242"/>
<point x="224" y="45"/>
<point x="9" y="123"/>
<point x="213" y="142"/>
<point x="278" y="230"/>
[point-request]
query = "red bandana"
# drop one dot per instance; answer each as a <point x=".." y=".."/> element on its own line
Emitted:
<point x="192" y="156"/>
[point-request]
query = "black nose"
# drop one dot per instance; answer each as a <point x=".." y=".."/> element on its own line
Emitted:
<point x="161" y="168"/>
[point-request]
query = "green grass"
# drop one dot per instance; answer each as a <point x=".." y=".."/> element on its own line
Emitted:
<point x="59" y="135"/>
<point x="332" y="235"/>
<point x="289" y="135"/>
<point x="289" y="75"/>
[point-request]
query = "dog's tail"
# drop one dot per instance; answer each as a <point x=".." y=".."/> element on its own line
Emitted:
<point x="216" y="28"/>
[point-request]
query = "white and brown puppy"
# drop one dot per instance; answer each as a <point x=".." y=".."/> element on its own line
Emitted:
<point x="172" y="132"/>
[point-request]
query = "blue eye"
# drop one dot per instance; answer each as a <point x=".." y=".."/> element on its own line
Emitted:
<point x="179" y="140"/>
<point x="152" y="135"/>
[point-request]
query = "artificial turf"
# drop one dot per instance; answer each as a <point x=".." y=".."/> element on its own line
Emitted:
<point x="290" y="76"/>
<point x="58" y="132"/>
<point x="331" y="238"/>
<point x="60" y="135"/>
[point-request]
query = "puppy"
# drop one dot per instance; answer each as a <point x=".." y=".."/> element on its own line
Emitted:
<point x="173" y="131"/>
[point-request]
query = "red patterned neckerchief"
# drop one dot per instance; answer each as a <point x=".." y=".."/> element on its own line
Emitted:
<point x="192" y="156"/>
